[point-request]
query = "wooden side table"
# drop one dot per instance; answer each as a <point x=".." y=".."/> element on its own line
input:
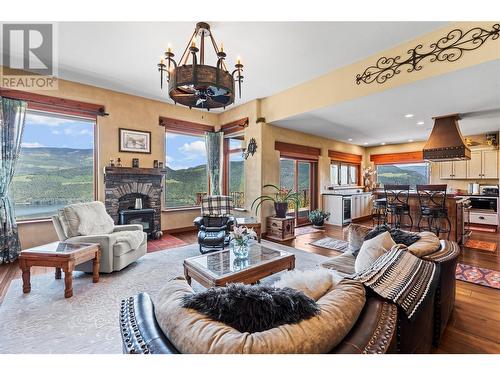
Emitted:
<point x="251" y="223"/>
<point x="63" y="256"/>
<point x="280" y="229"/>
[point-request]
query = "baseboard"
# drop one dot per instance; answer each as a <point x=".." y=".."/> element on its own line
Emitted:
<point x="180" y="230"/>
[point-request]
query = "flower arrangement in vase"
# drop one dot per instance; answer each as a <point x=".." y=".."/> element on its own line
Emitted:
<point x="240" y="237"/>
<point x="368" y="174"/>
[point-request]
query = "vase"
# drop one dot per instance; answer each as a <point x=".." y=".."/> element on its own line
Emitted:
<point x="319" y="224"/>
<point x="240" y="251"/>
<point x="281" y="208"/>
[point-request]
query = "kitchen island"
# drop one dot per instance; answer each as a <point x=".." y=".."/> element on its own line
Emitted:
<point x="455" y="205"/>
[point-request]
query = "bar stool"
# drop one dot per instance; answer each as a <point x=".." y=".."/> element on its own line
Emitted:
<point x="432" y="200"/>
<point x="379" y="211"/>
<point x="397" y="197"/>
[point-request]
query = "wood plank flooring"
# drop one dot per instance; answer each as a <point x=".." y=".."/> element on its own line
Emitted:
<point x="474" y="326"/>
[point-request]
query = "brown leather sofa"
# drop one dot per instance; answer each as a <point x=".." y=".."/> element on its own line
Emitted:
<point x="418" y="335"/>
<point x="374" y="331"/>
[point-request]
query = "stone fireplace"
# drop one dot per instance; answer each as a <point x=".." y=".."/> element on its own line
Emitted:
<point x="124" y="185"/>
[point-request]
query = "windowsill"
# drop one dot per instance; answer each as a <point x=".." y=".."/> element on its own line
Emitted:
<point x="33" y="221"/>
<point x="180" y="209"/>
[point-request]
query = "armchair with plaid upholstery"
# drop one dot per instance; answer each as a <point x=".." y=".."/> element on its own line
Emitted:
<point x="215" y="222"/>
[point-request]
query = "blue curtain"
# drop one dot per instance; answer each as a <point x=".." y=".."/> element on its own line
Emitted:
<point x="12" y="114"/>
<point x="213" y="142"/>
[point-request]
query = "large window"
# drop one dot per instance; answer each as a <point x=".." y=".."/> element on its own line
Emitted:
<point x="342" y="174"/>
<point x="403" y="174"/>
<point x="186" y="179"/>
<point x="236" y="171"/>
<point x="56" y="165"/>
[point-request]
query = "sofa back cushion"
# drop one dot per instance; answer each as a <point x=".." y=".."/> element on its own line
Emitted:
<point x="314" y="283"/>
<point x="372" y="249"/>
<point x="427" y="244"/>
<point x="85" y="219"/>
<point x="356" y="234"/>
<point x="192" y="332"/>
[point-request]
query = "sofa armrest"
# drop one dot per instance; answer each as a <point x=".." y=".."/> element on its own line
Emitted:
<point x="128" y="227"/>
<point x="105" y="242"/>
<point x="198" y="222"/>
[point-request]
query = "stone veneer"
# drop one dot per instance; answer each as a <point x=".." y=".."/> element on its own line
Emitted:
<point x="123" y="182"/>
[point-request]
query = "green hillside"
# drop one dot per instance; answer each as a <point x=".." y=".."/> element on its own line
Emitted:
<point x="391" y="174"/>
<point x="46" y="175"/>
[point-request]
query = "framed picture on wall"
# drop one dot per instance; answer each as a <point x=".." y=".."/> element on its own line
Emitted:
<point x="135" y="141"/>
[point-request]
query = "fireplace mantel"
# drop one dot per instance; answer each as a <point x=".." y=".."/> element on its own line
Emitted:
<point x="130" y="170"/>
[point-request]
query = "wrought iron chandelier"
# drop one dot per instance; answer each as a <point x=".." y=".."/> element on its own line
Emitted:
<point x="194" y="84"/>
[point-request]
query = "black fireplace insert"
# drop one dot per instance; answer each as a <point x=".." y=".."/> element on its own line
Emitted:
<point x="144" y="216"/>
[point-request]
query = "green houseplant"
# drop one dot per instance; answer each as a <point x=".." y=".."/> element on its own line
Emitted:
<point x="281" y="198"/>
<point x="318" y="217"/>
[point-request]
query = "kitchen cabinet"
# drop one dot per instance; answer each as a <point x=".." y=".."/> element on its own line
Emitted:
<point x="483" y="164"/>
<point x="449" y="170"/>
<point x="361" y="205"/>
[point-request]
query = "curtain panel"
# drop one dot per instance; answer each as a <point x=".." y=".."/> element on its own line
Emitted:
<point x="12" y="115"/>
<point x="213" y="141"/>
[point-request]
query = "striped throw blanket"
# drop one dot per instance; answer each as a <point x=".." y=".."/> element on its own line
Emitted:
<point x="402" y="278"/>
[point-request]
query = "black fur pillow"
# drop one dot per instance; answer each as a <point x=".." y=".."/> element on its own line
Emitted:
<point x="252" y="308"/>
<point x="399" y="236"/>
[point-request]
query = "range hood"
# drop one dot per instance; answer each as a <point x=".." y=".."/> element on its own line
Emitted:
<point x="446" y="141"/>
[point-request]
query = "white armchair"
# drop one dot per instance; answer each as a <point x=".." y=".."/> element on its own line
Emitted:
<point x="85" y="222"/>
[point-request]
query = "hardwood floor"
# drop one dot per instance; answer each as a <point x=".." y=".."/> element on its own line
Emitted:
<point x="474" y="326"/>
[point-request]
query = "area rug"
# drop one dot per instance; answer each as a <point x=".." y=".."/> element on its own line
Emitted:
<point x="332" y="244"/>
<point x="477" y="275"/>
<point x="481" y="245"/>
<point x="167" y="241"/>
<point x="43" y="321"/>
<point x="306" y="230"/>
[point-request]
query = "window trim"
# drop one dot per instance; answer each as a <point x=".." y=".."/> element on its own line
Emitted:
<point x="165" y="208"/>
<point x="95" y="174"/>
<point x="340" y="163"/>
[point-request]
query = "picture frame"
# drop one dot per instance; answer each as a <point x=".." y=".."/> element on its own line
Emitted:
<point x="135" y="141"/>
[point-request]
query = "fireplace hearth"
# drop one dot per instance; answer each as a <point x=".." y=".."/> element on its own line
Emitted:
<point x="124" y="185"/>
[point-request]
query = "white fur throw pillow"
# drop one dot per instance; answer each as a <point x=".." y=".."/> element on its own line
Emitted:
<point x="372" y="249"/>
<point x="313" y="283"/>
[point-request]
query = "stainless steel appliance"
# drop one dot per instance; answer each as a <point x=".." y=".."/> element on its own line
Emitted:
<point x="346" y="214"/>
<point x="483" y="203"/>
<point x="489" y="190"/>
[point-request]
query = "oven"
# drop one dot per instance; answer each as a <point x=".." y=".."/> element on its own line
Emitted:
<point x="483" y="204"/>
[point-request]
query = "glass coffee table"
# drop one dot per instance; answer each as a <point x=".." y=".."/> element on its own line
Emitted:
<point x="222" y="267"/>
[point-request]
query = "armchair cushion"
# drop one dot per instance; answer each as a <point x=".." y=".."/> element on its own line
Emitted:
<point x="84" y="219"/>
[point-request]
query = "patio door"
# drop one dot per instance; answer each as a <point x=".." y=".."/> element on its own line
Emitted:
<point x="301" y="176"/>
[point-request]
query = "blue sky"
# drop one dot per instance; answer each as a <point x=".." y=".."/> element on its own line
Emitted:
<point x="184" y="151"/>
<point x="48" y="131"/>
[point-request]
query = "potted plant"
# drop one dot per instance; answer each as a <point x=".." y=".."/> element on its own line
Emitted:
<point x="281" y="199"/>
<point x="318" y="217"/>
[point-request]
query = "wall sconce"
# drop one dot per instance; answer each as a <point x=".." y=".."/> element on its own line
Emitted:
<point x="250" y="149"/>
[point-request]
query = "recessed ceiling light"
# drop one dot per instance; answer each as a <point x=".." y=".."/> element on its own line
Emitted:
<point x="420" y="123"/>
<point x="410" y="140"/>
<point x="409" y="115"/>
<point x="383" y="143"/>
<point x="365" y="143"/>
<point x="350" y="139"/>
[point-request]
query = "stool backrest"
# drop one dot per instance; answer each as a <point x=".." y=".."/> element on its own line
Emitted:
<point x="432" y="196"/>
<point x="397" y="194"/>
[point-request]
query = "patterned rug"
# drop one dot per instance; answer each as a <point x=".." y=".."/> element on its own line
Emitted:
<point x="481" y="245"/>
<point x="167" y="241"/>
<point x="477" y="275"/>
<point x="43" y="321"/>
<point x="332" y="244"/>
<point x="306" y="230"/>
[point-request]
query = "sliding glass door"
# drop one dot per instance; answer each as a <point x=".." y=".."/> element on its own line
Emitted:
<point x="300" y="175"/>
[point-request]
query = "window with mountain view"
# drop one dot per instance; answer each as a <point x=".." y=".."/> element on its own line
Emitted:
<point x="403" y="174"/>
<point x="236" y="172"/>
<point x="186" y="162"/>
<point x="56" y="165"/>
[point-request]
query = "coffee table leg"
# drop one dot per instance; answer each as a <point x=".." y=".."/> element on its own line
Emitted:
<point x="186" y="275"/>
<point x="58" y="272"/>
<point x="26" y="278"/>
<point x="68" y="282"/>
<point x="95" y="268"/>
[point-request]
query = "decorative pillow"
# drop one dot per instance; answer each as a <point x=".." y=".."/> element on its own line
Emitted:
<point x="398" y="235"/>
<point x="372" y="249"/>
<point x="253" y="308"/>
<point x="194" y="333"/>
<point x="376" y="231"/>
<point x="84" y="219"/>
<point x="313" y="283"/>
<point x="428" y="243"/>
<point x="355" y="236"/>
